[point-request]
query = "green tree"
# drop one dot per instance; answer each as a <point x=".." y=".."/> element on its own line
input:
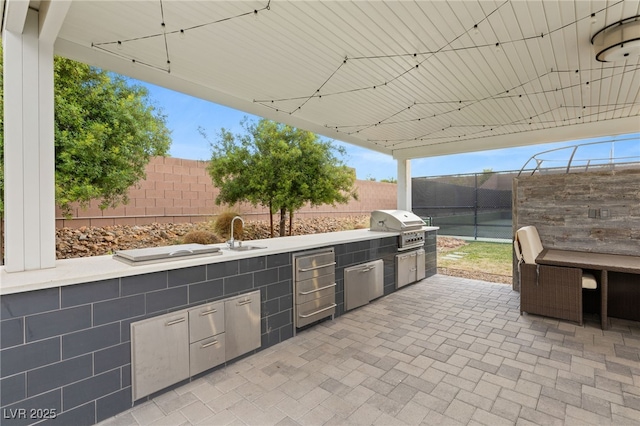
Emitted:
<point x="485" y="176"/>
<point x="106" y="131"/>
<point x="279" y="167"/>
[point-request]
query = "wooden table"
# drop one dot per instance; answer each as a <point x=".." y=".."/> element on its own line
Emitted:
<point x="620" y="265"/>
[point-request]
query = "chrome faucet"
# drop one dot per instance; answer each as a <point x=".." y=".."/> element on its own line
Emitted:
<point x="232" y="241"/>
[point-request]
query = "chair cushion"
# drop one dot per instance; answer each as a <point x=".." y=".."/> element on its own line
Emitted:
<point x="589" y="282"/>
<point x="529" y="242"/>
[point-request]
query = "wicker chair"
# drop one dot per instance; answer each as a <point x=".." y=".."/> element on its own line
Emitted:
<point x="550" y="291"/>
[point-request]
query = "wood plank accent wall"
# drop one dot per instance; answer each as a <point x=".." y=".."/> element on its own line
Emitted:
<point x="559" y="206"/>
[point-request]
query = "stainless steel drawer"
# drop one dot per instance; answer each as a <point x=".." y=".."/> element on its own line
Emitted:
<point x="315" y="265"/>
<point x="316" y="309"/>
<point x="206" y="354"/>
<point x="206" y="321"/>
<point x="315" y="288"/>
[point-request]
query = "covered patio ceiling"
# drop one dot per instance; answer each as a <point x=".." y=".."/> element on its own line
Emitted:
<point x="410" y="79"/>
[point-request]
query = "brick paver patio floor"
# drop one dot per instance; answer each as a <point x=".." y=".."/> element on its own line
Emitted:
<point x="443" y="351"/>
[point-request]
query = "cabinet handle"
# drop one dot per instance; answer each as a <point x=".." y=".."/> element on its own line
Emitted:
<point x="173" y="253"/>
<point x="177" y="321"/>
<point x="206" y="345"/>
<point x="212" y="311"/>
<point x="317" y="289"/>
<point x="367" y="269"/>
<point x="316" y="267"/>
<point x="318" y="311"/>
<point x="244" y="302"/>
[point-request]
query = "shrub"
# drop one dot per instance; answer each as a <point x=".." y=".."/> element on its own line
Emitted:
<point x="222" y="225"/>
<point x="201" y="237"/>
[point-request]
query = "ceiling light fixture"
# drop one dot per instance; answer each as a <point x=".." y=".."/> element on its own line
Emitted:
<point x="619" y="41"/>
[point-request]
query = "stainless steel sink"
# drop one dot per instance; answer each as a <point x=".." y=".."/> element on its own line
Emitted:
<point x="246" y="248"/>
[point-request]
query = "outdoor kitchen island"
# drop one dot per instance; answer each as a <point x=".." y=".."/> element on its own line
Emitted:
<point x="66" y="332"/>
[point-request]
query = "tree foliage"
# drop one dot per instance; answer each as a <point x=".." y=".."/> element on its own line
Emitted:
<point x="279" y="167"/>
<point x="106" y="131"/>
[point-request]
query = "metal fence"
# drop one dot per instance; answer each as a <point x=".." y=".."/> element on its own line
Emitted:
<point x="475" y="205"/>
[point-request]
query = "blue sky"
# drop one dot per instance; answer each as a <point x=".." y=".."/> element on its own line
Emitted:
<point x="185" y="114"/>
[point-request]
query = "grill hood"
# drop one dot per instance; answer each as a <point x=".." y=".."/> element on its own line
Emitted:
<point x="394" y="220"/>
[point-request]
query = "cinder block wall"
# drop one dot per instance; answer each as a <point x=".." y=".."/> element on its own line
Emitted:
<point x="177" y="190"/>
<point x="559" y="206"/>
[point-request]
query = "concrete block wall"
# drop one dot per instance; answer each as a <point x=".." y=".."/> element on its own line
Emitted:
<point x="177" y="190"/>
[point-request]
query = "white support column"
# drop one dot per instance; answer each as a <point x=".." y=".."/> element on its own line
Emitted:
<point x="29" y="148"/>
<point x="404" y="185"/>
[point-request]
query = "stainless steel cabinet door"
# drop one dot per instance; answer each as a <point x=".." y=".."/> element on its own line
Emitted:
<point x="377" y="288"/>
<point x="242" y="324"/>
<point x="363" y="283"/>
<point x="357" y="284"/>
<point x="405" y="269"/>
<point x="420" y="267"/>
<point x="159" y="353"/>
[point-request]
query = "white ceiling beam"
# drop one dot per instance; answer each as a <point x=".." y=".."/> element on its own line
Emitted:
<point x="15" y="15"/>
<point x="52" y="14"/>
<point x="604" y="128"/>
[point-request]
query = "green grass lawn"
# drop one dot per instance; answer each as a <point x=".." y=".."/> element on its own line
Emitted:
<point x="493" y="258"/>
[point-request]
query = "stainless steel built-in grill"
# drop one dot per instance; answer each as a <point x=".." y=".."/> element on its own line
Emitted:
<point x="410" y="263"/>
<point x="406" y="223"/>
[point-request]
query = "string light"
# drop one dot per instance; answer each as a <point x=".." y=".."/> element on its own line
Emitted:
<point x="181" y="33"/>
<point x="104" y="46"/>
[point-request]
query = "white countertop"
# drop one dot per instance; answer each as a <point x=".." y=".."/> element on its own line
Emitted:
<point x="97" y="268"/>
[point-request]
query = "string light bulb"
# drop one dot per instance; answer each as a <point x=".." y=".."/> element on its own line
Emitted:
<point x="594" y="19"/>
<point x="119" y="45"/>
<point x="476" y="31"/>
<point x="182" y="34"/>
<point x="498" y="49"/>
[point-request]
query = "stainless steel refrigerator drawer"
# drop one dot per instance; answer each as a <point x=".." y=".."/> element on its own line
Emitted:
<point x="363" y="283"/>
<point x="316" y="309"/>
<point x="206" y="321"/>
<point x="315" y="265"/>
<point x="206" y="354"/>
<point x="315" y="288"/>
